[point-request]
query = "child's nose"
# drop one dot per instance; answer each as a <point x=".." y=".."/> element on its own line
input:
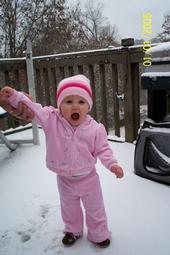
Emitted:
<point x="75" y="105"/>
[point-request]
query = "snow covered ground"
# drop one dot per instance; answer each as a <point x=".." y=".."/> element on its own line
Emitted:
<point x="30" y="224"/>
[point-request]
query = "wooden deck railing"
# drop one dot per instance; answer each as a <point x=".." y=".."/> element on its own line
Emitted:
<point x="112" y="71"/>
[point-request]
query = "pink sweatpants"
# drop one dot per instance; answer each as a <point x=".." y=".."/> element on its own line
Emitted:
<point x="88" y="190"/>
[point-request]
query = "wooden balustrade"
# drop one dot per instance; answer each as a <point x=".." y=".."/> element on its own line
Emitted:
<point x="112" y="71"/>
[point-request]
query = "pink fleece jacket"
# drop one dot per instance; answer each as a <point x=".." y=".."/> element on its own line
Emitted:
<point x="69" y="151"/>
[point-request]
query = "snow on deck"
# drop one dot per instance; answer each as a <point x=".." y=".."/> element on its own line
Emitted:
<point x="30" y="224"/>
<point x="163" y="47"/>
<point x="156" y="74"/>
<point x="2" y="111"/>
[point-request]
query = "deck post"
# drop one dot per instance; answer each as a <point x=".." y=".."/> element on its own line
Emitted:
<point x="130" y="130"/>
<point x="31" y="86"/>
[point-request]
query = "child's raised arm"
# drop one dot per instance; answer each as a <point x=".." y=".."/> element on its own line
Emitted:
<point x="14" y="97"/>
<point x="21" y="112"/>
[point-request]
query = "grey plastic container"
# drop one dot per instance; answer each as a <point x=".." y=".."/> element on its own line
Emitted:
<point x="152" y="152"/>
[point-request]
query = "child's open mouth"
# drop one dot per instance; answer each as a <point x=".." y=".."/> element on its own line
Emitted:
<point x="75" y="116"/>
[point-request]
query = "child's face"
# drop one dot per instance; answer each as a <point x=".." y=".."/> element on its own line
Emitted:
<point x="74" y="109"/>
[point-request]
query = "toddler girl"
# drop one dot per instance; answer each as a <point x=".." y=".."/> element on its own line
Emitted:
<point x="74" y="141"/>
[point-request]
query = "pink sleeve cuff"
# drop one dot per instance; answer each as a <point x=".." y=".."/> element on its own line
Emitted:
<point x="16" y="98"/>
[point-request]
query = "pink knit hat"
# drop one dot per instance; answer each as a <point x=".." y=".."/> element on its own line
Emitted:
<point x="78" y="85"/>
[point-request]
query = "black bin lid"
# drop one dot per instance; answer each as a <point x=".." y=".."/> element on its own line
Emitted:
<point x="156" y="80"/>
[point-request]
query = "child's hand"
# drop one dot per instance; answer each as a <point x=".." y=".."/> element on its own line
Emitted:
<point x="6" y="92"/>
<point x="117" y="170"/>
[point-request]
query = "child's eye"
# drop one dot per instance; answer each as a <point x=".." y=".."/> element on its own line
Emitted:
<point x="68" y="101"/>
<point x="81" y="102"/>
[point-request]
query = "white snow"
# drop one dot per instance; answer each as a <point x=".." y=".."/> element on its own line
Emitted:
<point x="161" y="59"/>
<point x="2" y="111"/>
<point x="156" y="74"/>
<point x="160" y="48"/>
<point x="30" y="224"/>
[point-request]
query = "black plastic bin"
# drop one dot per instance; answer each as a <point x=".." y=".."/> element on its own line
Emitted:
<point x="158" y="87"/>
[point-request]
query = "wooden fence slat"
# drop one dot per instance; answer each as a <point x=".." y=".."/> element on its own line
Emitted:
<point x="80" y="69"/>
<point x="62" y="72"/>
<point x="103" y="96"/>
<point x="7" y="78"/>
<point x="91" y="77"/>
<point x="115" y="99"/>
<point x="53" y="85"/>
<point x="70" y="71"/>
<point x="23" y="79"/>
<point x="17" y="80"/>
<point x="38" y="86"/>
<point x="136" y="97"/>
<point x="46" y="86"/>
<point x="127" y="80"/>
